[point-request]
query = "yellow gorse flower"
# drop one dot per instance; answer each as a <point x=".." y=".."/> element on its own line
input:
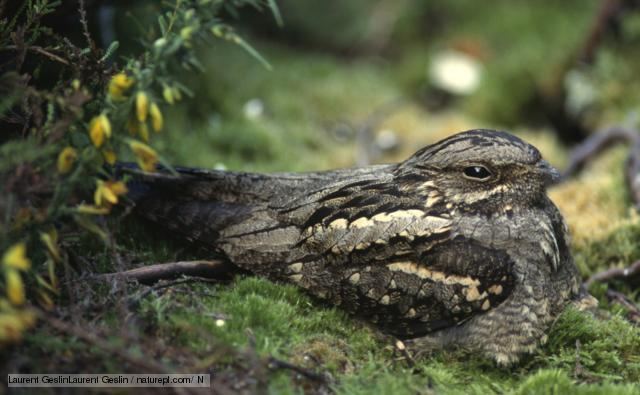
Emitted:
<point x="167" y="93"/>
<point x="66" y="159"/>
<point x="45" y="300"/>
<point x="142" y="106"/>
<point x="138" y="128"/>
<point x="132" y="126"/>
<point x="14" y="322"/>
<point x="146" y="156"/>
<point x="186" y="33"/>
<point x="118" y="86"/>
<point x="16" y="257"/>
<point x="143" y="130"/>
<point x="177" y="94"/>
<point x="118" y="187"/>
<point x="157" y="120"/>
<point x="107" y="192"/>
<point x="109" y="156"/>
<point x="50" y="240"/>
<point x="99" y="129"/>
<point x="91" y="209"/>
<point x="15" y="287"/>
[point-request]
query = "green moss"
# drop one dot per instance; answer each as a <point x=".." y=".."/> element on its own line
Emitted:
<point x="594" y="349"/>
<point x="556" y="381"/>
<point x="616" y="250"/>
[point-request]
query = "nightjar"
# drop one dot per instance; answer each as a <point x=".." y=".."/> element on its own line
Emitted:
<point x="456" y="246"/>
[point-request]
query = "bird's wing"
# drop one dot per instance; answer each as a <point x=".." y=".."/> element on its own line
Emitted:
<point x="442" y="287"/>
<point x="394" y="260"/>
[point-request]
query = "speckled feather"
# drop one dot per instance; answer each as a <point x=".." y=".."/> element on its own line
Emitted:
<point x="417" y="248"/>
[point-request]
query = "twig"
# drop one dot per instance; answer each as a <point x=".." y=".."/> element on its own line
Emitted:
<point x="170" y="270"/>
<point x="402" y="348"/>
<point x="257" y="365"/>
<point x="595" y="144"/>
<point x="578" y="369"/>
<point x="620" y="298"/>
<point x="614" y="274"/>
<point x="602" y="140"/>
<point x="41" y="51"/>
<point x="135" y="299"/>
<point x="275" y="363"/>
<point x="85" y="27"/>
<point x="601" y="23"/>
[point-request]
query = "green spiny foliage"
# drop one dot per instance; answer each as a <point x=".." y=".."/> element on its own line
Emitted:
<point x="62" y="131"/>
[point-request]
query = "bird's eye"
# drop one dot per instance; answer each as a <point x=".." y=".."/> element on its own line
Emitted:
<point x="476" y="172"/>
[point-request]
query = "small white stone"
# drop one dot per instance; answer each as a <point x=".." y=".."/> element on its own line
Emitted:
<point x="387" y="140"/>
<point x="455" y="72"/>
<point x="254" y="108"/>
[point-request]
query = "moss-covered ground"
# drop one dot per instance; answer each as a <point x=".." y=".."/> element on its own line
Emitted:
<point x="312" y="109"/>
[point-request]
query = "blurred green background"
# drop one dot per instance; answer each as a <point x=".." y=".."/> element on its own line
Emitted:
<point x="361" y="81"/>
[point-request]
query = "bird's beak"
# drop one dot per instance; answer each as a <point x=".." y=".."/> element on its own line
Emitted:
<point x="549" y="174"/>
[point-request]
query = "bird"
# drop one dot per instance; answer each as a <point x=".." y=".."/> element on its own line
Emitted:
<point x="458" y="246"/>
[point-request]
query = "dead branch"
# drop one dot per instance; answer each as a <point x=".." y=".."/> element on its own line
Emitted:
<point x="161" y="284"/>
<point x="614" y="274"/>
<point x="163" y="271"/>
<point x="633" y="310"/>
<point x="601" y="23"/>
<point x="276" y="364"/>
<point x="596" y="144"/>
<point x="602" y="140"/>
<point x="85" y="27"/>
<point x="41" y="51"/>
<point x="406" y="355"/>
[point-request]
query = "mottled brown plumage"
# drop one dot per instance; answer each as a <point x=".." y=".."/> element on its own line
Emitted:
<point x="458" y="245"/>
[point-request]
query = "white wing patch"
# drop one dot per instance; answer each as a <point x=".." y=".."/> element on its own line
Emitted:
<point x="342" y="236"/>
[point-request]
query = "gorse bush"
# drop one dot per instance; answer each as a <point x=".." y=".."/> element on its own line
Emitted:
<point x="59" y="135"/>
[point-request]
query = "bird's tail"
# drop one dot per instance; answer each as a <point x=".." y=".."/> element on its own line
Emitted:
<point x="195" y="204"/>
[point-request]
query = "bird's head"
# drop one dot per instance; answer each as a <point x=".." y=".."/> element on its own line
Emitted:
<point x="480" y="169"/>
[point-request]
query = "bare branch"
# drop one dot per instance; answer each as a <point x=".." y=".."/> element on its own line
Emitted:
<point x="41" y="51"/>
<point x="599" y="142"/>
<point x="275" y="363"/>
<point x="170" y="270"/>
<point x="620" y="298"/>
<point x="614" y="274"/>
<point x="85" y="26"/>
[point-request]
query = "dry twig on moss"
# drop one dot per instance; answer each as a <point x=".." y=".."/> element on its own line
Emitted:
<point x="615" y="274"/>
<point x="633" y="311"/>
<point x="276" y="364"/>
<point x="599" y="142"/>
<point x="172" y="270"/>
